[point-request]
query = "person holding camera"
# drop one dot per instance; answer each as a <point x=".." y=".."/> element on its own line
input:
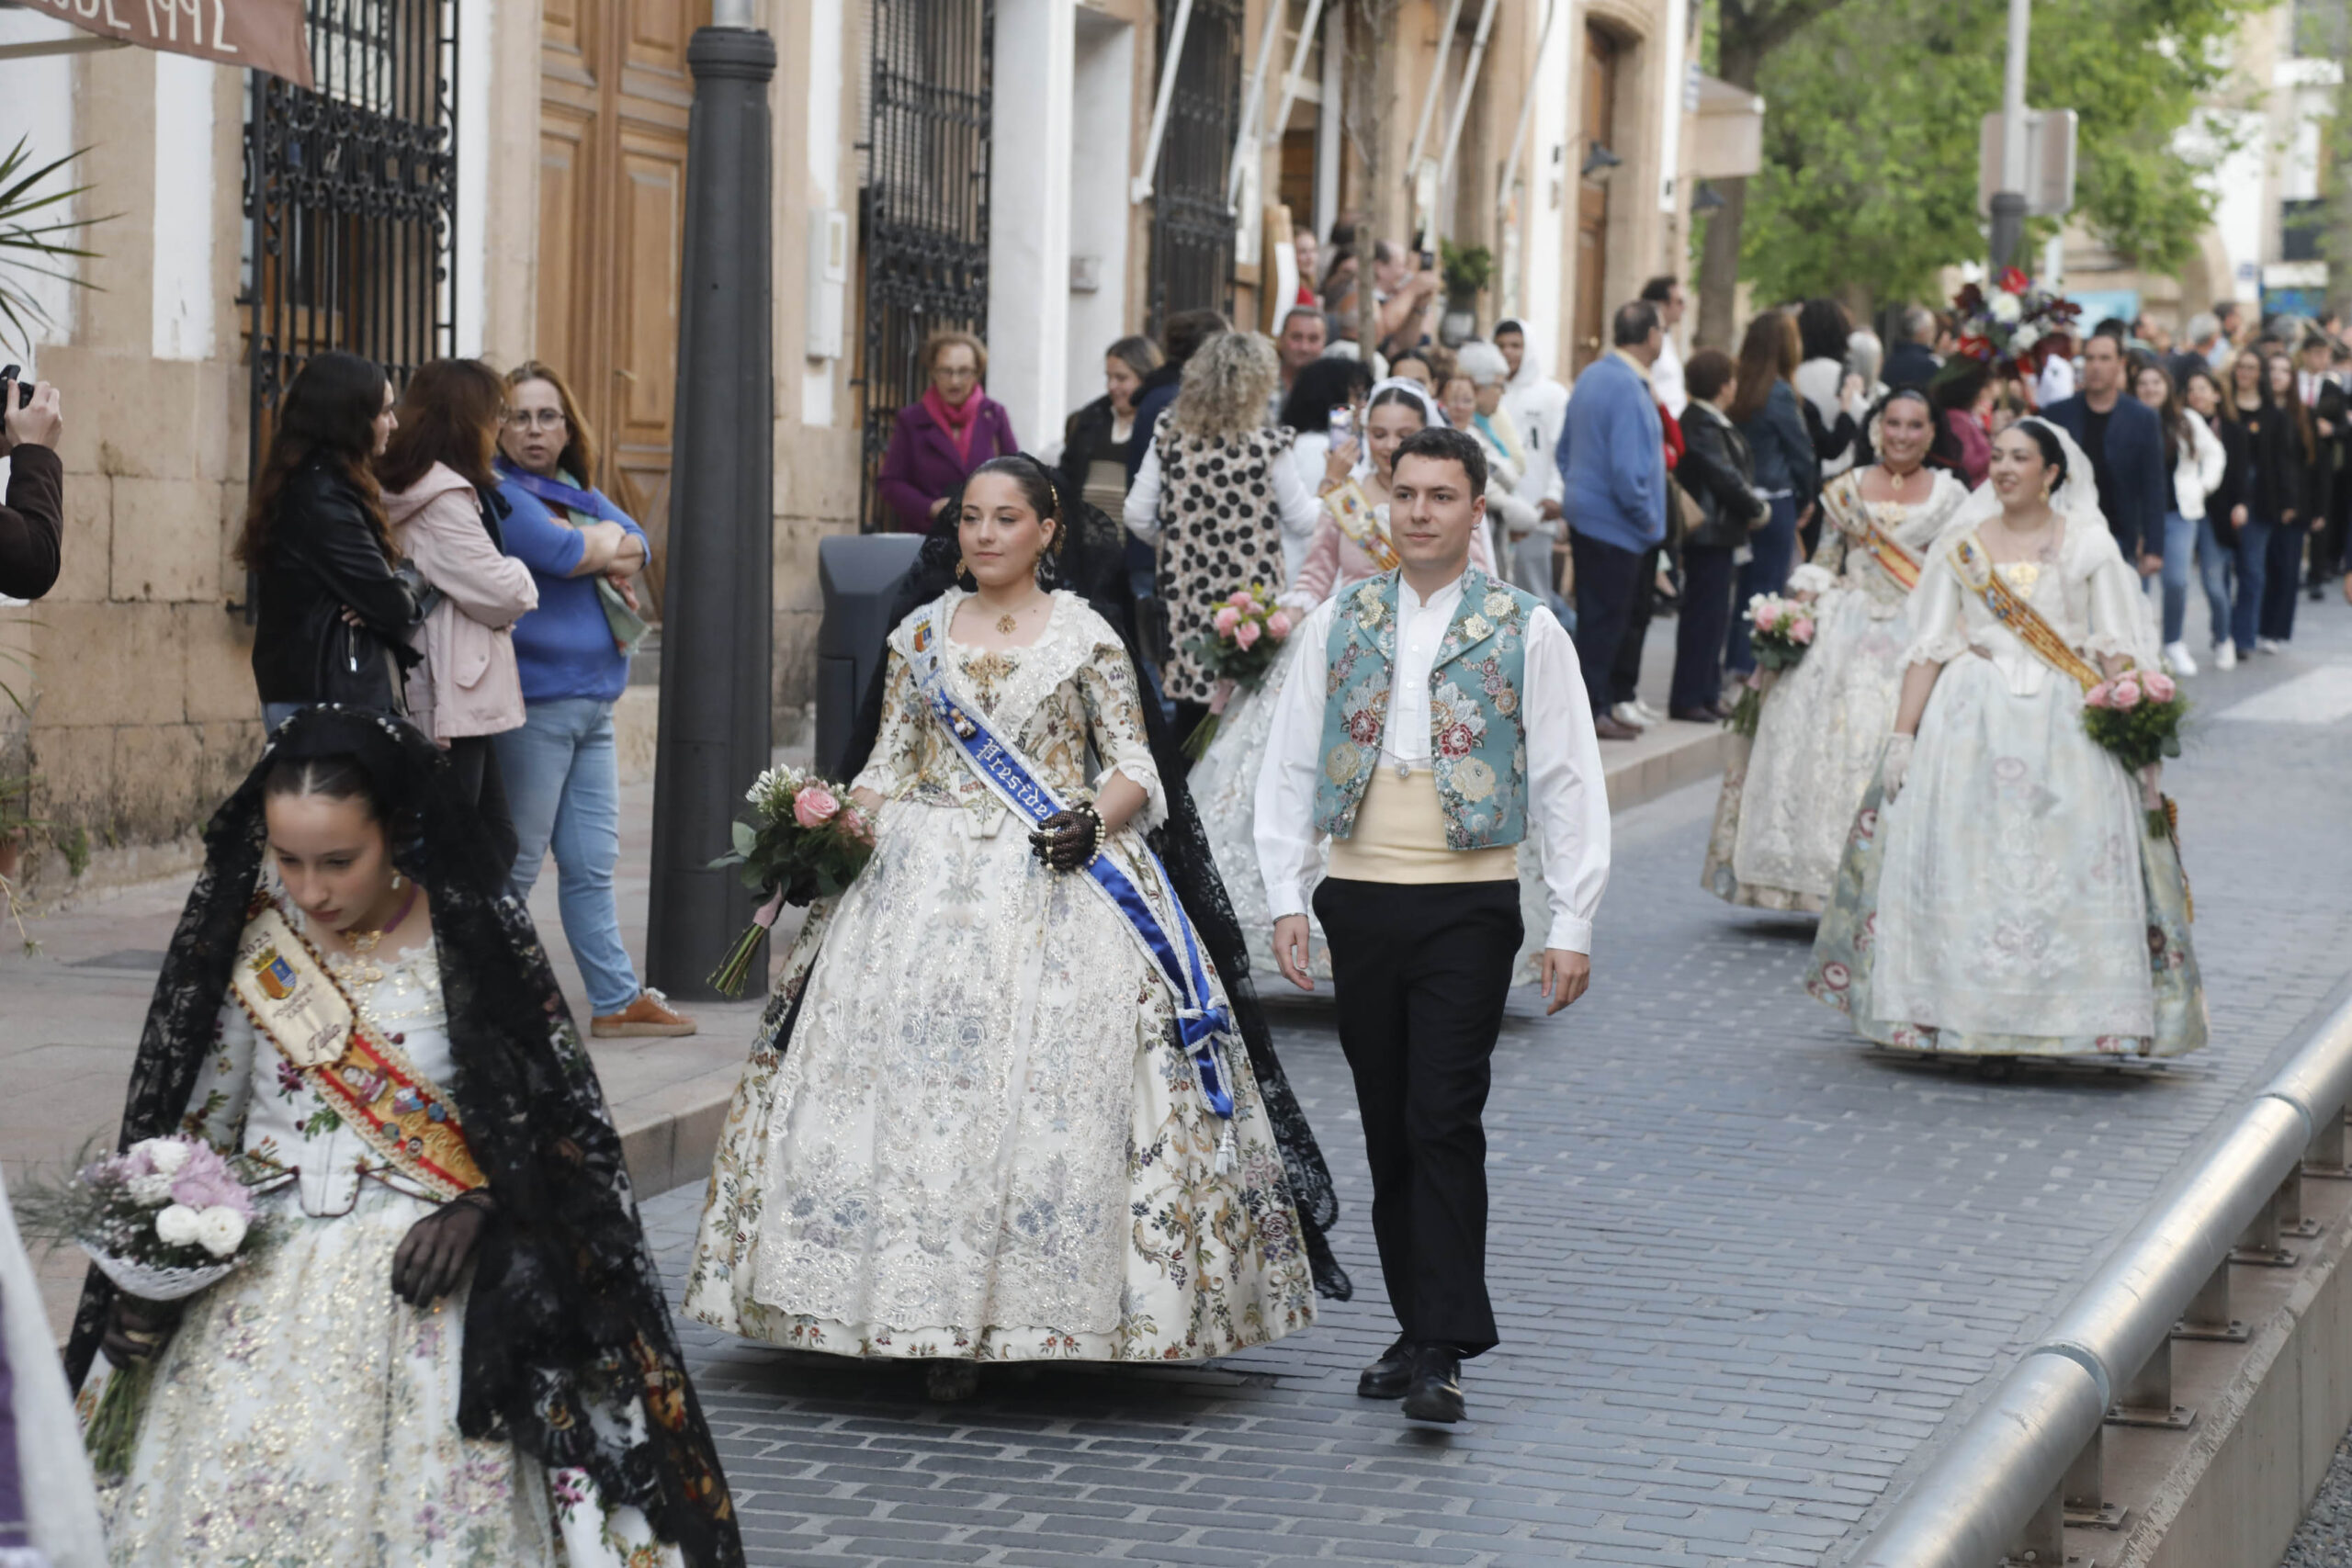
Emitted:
<point x="32" y="523"/>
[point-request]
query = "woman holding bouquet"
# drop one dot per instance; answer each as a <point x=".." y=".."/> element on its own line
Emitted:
<point x="2010" y="887"/>
<point x="1004" y="1108"/>
<point x="453" y="1349"/>
<point x="1780" y="822"/>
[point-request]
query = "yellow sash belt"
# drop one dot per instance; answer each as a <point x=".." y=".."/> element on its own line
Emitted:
<point x="1855" y="517"/>
<point x="1976" y="569"/>
<point x="1353" y="511"/>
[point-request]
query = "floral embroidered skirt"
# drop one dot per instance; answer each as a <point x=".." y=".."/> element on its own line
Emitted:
<point x="2014" y="901"/>
<point x="302" y="1412"/>
<point x="979" y="1141"/>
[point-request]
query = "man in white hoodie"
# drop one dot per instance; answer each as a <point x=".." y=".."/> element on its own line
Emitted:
<point x="1538" y="406"/>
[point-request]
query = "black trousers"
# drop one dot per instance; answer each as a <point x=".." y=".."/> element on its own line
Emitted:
<point x="1625" y="674"/>
<point x="1608" y="579"/>
<point x="473" y="762"/>
<point x="1420" y="972"/>
<point x="1700" y="627"/>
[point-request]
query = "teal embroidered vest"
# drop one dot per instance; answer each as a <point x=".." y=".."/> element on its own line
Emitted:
<point x="1477" y="730"/>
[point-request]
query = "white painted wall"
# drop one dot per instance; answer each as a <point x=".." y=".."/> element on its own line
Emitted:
<point x="469" y="262"/>
<point x="1671" y="107"/>
<point x="1100" y="79"/>
<point x="39" y="93"/>
<point x="1331" y="126"/>
<point x="824" y="144"/>
<point x="2236" y="184"/>
<point x="1029" y="214"/>
<point x="182" y="327"/>
<point x="1550" y="185"/>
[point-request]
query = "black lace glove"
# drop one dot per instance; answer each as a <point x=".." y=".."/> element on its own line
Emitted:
<point x="136" y="1328"/>
<point x="1068" y="839"/>
<point x="438" y="1247"/>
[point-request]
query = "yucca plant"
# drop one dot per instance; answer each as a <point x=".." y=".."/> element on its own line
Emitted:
<point x="34" y="239"/>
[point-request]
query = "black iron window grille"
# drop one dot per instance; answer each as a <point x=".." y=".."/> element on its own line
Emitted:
<point x="351" y="197"/>
<point x="1191" y="227"/>
<point x="923" y="205"/>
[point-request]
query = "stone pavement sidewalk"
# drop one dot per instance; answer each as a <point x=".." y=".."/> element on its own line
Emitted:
<point x="1747" y="1272"/>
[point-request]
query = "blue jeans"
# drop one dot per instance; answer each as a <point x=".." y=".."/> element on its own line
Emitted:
<point x="275" y="713"/>
<point x="2254" y="548"/>
<point x="1773" y="557"/>
<point x="563" y="785"/>
<point x="2181" y="537"/>
<point x="2215" y="567"/>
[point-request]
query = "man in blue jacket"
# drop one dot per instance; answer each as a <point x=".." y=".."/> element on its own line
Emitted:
<point x="2125" y="443"/>
<point x="1611" y="455"/>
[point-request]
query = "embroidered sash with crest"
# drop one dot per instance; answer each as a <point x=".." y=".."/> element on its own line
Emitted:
<point x="1855" y="516"/>
<point x="1353" y="511"/>
<point x="296" y="1006"/>
<point x="1977" y="573"/>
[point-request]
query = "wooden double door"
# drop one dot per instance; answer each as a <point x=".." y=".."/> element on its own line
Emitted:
<point x="1603" y="56"/>
<point x="613" y="97"/>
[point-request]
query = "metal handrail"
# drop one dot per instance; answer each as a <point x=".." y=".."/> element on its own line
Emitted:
<point x="2004" y="1478"/>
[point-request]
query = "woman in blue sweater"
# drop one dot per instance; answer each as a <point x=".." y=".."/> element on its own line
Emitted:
<point x="561" y="769"/>
<point x="1787" y="472"/>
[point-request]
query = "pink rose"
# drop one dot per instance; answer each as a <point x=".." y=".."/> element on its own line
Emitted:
<point x="2126" y="695"/>
<point x="815" y="806"/>
<point x="1248" y="633"/>
<point x="1803" y="630"/>
<point x="1239" y="599"/>
<point x="2098" y="696"/>
<point x="1226" y="618"/>
<point x="1767" y="617"/>
<point x="2159" y="687"/>
<point x="1278" y="625"/>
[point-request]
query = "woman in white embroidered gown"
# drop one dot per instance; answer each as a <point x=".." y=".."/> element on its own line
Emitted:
<point x="1350" y="543"/>
<point x="330" y="1403"/>
<point x="2007" y="890"/>
<point x="1781" y="819"/>
<point x="966" y="1133"/>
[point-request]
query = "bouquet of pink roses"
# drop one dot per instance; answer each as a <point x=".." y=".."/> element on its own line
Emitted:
<point x="805" y="841"/>
<point x="164" y="1219"/>
<point x="1779" y="630"/>
<point x="1247" y="635"/>
<point x="2136" y="716"/>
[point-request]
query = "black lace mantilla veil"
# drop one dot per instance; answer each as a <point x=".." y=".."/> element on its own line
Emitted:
<point x="1093" y="564"/>
<point x="569" y="1351"/>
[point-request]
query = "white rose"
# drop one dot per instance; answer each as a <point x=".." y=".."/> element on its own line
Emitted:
<point x="222" y="1229"/>
<point x="2004" y="306"/>
<point x="178" y="1226"/>
<point x="148" y="1191"/>
<point x="167" y="1155"/>
<point x="2024" y="338"/>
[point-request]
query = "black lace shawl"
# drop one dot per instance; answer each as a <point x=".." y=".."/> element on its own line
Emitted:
<point x="569" y="1350"/>
<point x="1093" y="564"/>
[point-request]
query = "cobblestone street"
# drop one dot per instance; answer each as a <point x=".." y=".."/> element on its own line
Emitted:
<point x="1746" y="1271"/>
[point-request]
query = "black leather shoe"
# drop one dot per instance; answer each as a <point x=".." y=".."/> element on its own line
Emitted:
<point x="1390" y="1376"/>
<point x="1436" y="1393"/>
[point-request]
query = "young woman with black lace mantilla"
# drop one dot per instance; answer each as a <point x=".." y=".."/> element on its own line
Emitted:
<point x="1013" y="1101"/>
<point x="455" y="1351"/>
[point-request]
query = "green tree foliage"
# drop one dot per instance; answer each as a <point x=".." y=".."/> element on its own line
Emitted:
<point x="1870" y="136"/>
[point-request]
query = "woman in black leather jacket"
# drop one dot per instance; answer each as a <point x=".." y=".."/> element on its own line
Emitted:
<point x="333" y="603"/>
<point x="1720" y="474"/>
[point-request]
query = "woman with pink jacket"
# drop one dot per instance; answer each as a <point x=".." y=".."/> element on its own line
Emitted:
<point x="441" y="495"/>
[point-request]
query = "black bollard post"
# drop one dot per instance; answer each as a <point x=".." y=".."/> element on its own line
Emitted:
<point x="717" y="623"/>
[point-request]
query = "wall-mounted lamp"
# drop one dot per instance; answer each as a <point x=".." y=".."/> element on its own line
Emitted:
<point x="1598" y="159"/>
<point x="1707" y="198"/>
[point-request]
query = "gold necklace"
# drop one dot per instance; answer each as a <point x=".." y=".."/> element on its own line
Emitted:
<point x="363" y="944"/>
<point x="1006" y="626"/>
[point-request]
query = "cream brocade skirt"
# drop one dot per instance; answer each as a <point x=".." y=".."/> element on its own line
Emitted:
<point x="980" y="1143"/>
<point x="304" y="1414"/>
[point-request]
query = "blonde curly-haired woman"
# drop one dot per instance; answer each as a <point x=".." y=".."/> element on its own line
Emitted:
<point x="1215" y="494"/>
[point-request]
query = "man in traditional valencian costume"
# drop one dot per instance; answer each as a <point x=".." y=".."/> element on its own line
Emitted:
<point x="1445" y="723"/>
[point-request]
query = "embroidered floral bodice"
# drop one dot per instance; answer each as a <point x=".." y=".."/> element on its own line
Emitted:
<point x="249" y="1096"/>
<point x="1069" y="701"/>
<point x="1915" y="527"/>
<point x="2081" y="586"/>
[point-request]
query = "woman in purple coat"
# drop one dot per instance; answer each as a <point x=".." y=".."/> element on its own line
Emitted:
<point x="942" y="436"/>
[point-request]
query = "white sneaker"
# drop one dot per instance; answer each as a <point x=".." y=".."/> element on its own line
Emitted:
<point x="2177" y="655"/>
<point x="1629" y="714"/>
<point x="1650" y="715"/>
<point x="2225" y="656"/>
<point x="2269" y="645"/>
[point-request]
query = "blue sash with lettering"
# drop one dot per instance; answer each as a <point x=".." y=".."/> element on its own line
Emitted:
<point x="1203" y="1025"/>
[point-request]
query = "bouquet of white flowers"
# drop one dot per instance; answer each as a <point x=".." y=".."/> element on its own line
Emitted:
<point x="165" y="1218"/>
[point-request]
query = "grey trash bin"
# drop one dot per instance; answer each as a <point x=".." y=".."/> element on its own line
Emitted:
<point x="859" y="574"/>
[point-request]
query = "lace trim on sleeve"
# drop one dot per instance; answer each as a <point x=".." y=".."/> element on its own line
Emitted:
<point x="1940" y="648"/>
<point x="1114" y="712"/>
